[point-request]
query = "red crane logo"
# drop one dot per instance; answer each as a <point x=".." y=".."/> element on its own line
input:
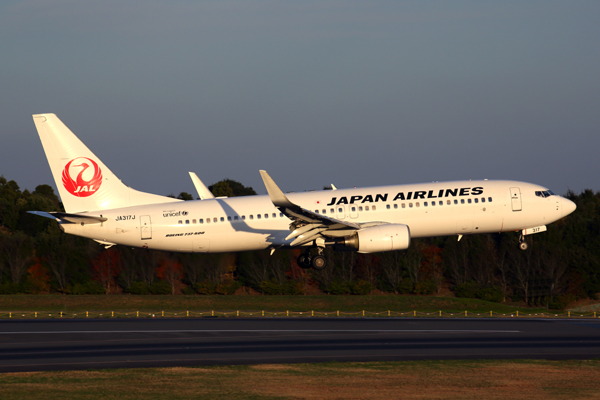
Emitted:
<point x="87" y="182"/>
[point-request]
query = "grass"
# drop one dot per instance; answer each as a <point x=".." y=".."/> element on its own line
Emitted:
<point x="320" y="303"/>
<point x="512" y="379"/>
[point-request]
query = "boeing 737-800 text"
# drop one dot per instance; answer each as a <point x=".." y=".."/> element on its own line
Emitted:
<point x="373" y="219"/>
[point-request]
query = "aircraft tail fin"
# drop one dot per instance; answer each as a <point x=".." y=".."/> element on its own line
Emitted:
<point x="83" y="181"/>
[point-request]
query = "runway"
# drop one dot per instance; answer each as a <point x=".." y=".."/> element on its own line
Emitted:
<point x="38" y="345"/>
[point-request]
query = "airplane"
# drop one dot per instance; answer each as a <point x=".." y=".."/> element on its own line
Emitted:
<point x="366" y="220"/>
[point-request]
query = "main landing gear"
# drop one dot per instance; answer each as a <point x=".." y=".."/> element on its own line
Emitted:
<point x="306" y="261"/>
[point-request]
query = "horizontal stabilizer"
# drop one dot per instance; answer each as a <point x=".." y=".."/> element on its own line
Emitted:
<point x="73" y="218"/>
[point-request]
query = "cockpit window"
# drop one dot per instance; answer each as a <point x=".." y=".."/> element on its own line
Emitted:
<point x="544" y="193"/>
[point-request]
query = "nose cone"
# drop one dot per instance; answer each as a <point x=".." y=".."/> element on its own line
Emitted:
<point x="567" y="207"/>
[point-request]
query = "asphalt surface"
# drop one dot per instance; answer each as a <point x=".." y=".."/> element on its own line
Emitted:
<point x="39" y="345"/>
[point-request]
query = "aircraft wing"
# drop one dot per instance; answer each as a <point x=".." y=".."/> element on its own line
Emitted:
<point x="307" y="225"/>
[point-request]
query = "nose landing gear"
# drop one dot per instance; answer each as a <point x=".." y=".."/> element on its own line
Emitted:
<point x="522" y="242"/>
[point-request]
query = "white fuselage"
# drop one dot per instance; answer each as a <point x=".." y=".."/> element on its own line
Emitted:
<point x="254" y="223"/>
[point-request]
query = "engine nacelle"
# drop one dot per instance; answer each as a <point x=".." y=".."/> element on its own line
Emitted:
<point x="378" y="238"/>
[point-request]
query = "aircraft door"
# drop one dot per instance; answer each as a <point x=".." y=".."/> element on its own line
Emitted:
<point x="145" y="227"/>
<point x="515" y="198"/>
<point x="353" y="211"/>
<point x="340" y="211"/>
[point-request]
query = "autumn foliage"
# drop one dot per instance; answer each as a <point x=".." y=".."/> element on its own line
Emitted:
<point x="38" y="277"/>
<point x="106" y="267"/>
<point x="170" y="271"/>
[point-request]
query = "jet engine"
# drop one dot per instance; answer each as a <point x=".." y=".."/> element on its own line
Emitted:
<point x="378" y="238"/>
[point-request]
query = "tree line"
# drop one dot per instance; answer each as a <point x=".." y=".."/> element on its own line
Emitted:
<point x="560" y="266"/>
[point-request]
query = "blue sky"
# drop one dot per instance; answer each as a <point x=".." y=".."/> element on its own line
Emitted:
<point x="353" y="93"/>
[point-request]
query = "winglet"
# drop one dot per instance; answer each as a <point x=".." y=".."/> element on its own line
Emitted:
<point x="277" y="197"/>
<point x="203" y="192"/>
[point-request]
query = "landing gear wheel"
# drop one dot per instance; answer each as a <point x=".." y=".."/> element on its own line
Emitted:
<point x="523" y="246"/>
<point x="319" y="263"/>
<point x="304" y="261"/>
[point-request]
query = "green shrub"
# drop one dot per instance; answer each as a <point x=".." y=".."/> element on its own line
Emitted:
<point x="406" y="286"/>
<point x="228" y="287"/>
<point x="467" y="290"/>
<point x="561" y="302"/>
<point x="91" y="287"/>
<point x="205" y="288"/>
<point x="490" y="294"/>
<point x="427" y="286"/>
<point x="188" y="290"/>
<point x="9" y="288"/>
<point x="361" y="287"/>
<point x="472" y="290"/>
<point x="160" y="287"/>
<point x="293" y="288"/>
<point x="138" y="288"/>
<point x="336" y="287"/>
<point x="271" y="288"/>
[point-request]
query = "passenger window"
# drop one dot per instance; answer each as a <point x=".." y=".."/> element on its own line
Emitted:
<point x="228" y="218"/>
<point x="476" y="200"/>
<point x="403" y="205"/>
<point x="462" y="201"/>
<point x="489" y="199"/>
<point x="324" y="211"/>
<point x="395" y="206"/>
<point x="274" y="215"/>
<point x="455" y="201"/>
<point x="410" y="205"/>
<point x="441" y="203"/>
<point x="251" y="216"/>
<point x="257" y="216"/>
<point x="215" y="219"/>
<point x="201" y="220"/>
<point x="266" y="215"/>
<point x="366" y="208"/>
<point x="417" y="204"/>
<point x="243" y="217"/>
<point x="180" y="222"/>
<point x="187" y="221"/>
<point x="332" y="211"/>
<point x="222" y="219"/>
<point x="208" y="220"/>
<point x="448" y="202"/>
<point x="281" y="215"/>
<point x="193" y="221"/>
<point x="483" y="199"/>
<point x="374" y="208"/>
<point x="235" y="217"/>
<point x="353" y="208"/>
<point x="425" y="204"/>
<point x="469" y="201"/>
<point x="340" y="209"/>
<point x="360" y="209"/>
<point x="387" y="206"/>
